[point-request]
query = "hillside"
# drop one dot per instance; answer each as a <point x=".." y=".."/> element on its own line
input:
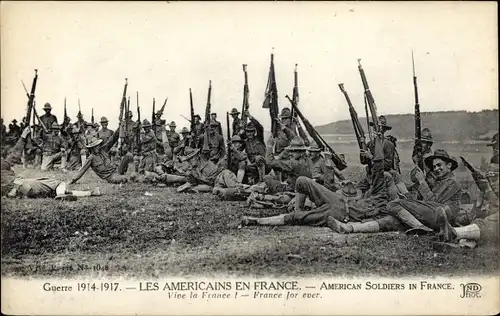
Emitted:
<point x="448" y="125"/>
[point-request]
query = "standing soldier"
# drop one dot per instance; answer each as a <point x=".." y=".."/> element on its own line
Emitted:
<point x="213" y="118"/>
<point x="48" y="118"/>
<point x="238" y="128"/>
<point x="53" y="148"/>
<point x="104" y="133"/>
<point x="173" y="137"/>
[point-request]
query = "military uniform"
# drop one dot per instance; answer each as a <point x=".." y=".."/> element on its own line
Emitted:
<point x="75" y="145"/>
<point x="255" y="149"/>
<point x="148" y="142"/>
<point x="48" y="118"/>
<point x="323" y="171"/>
<point x="53" y="149"/>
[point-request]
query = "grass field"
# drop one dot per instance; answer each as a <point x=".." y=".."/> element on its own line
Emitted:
<point x="165" y="233"/>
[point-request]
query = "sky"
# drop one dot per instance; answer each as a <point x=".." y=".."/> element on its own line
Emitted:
<point x="85" y="50"/>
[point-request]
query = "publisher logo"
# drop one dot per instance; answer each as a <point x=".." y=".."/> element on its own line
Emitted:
<point x="471" y="290"/>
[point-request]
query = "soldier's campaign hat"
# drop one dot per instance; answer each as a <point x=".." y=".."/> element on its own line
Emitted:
<point x="213" y="114"/>
<point x="426" y="136"/>
<point x="443" y="155"/>
<point x="234" y="111"/>
<point x="172" y="124"/>
<point x="236" y="139"/>
<point x="54" y="126"/>
<point x="250" y="127"/>
<point x="47" y="106"/>
<point x="285" y="113"/>
<point x="197" y="116"/>
<point x="184" y="130"/>
<point x="189" y="153"/>
<point x="146" y="123"/>
<point x="92" y="141"/>
<point x="382" y="121"/>
<point x="494" y="140"/>
<point x="297" y="144"/>
<point x="104" y="119"/>
<point x="350" y="191"/>
<point x="14" y="121"/>
<point x="314" y="147"/>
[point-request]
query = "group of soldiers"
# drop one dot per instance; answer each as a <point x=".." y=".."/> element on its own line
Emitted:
<point x="286" y="171"/>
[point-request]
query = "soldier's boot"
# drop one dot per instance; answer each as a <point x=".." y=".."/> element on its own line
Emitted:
<point x="278" y="220"/>
<point x="262" y="172"/>
<point x="95" y="192"/>
<point x="300" y="200"/>
<point x="416" y="227"/>
<point x="352" y="227"/>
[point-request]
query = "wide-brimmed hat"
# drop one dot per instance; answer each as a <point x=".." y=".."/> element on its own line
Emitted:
<point x="47" y="106"/>
<point x="14" y="121"/>
<point x="172" y="124"/>
<point x="426" y="136"/>
<point x="146" y="123"/>
<point x="494" y="140"/>
<point x="92" y="141"/>
<point x="55" y="126"/>
<point x="296" y="144"/>
<point x="382" y="121"/>
<point x="443" y="155"/>
<point x="104" y="119"/>
<point x="234" y="111"/>
<point x="184" y="130"/>
<point x="236" y="139"/>
<point x="286" y="113"/>
<point x="314" y="147"/>
<point x="189" y="153"/>
<point x="213" y="114"/>
<point x="197" y="116"/>
<point x="349" y="191"/>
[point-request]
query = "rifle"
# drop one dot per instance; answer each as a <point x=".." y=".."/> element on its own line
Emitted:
<point x="367" y="117"/>
<point x="66" y="118"/>
<point x="271" y="100"/>
<point x="369" y="97"/>
<point x="92" y="117"/>
<point x="246" y="92"/>
<point x="338" y="161"/>
<point x="418" y="122"/>
<point x="185" y="118"/>
<point x="358" y="129"/>
<point x="295" y="95"/>
<point x="138" y="130"/>
<point x="153" y="118"/>
<point x="35" y="114"/>
<point x="228" y="140"/>
<point x="209" y="105"/>
<point x="31" y="97"/>
<point x="123" y="102"/>
<point x="192" y="111"/>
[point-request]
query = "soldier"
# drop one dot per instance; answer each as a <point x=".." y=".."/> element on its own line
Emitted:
<point x="332" y="208"/>
<point x="298" y="165"/>
<point x="420" y="216"/>
<point x="14" y="130"/>
<point x="199" y="129"/>
<point x="427" y="142"/>
<point x="238" y="157"/>
<point x="96" y="127"/>
<point x="323" y="170"/>
<point x="13" y="186"/>
<point x="104" y="133"/>
<point x="238" y="128"/>
<point x="53" y="148"/>
<point x="255" y="149"/>
<point x="76" y="144"/>
<point x="100" y="162"/>
<point x="213" y="118"/>
<point x="215" y="143"/>
<point x="494" y="146"/>
<point x="286" y="132"/>
<point x="173" y="137"/>
<point x="80" y="122"/>
<point x="89" y="129"/>
<point x="388" y="146"/>
<point x="48" y="118"/>
<point x="184" y="143"/>
<point x="148" y="143"/>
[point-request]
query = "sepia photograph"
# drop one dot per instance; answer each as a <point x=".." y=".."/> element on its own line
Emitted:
<point x="183" y="147"/>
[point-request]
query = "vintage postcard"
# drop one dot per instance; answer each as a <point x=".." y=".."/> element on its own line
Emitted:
<point x="249" y="158"/>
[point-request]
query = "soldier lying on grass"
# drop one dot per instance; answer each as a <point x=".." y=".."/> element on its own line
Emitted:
<point x="13" y="186"/>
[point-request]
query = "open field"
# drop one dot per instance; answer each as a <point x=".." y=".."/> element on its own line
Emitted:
<point x="166" y="233"/>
